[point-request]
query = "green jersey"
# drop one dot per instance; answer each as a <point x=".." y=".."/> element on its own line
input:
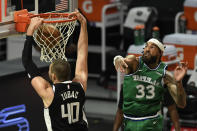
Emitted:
<point x="143" y="90"/>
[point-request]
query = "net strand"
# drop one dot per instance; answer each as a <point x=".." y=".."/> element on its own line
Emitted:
<point x="53" y="47"/>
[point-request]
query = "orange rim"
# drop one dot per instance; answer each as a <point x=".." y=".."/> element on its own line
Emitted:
<point x="54" y="15"/>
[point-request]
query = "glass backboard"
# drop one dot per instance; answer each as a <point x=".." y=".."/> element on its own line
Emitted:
<point x="7" y="8"/>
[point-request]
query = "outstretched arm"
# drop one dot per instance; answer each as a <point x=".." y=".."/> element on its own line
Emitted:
<point x="126" y="65"/>
<point x="174" y="116"/>
<point x="38" y="83"/>
<point x="120" y="64"/>
<point x="175" y="86"/>
<point x="81" y="71"/>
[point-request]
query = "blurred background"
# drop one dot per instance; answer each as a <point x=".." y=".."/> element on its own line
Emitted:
<point x="115" y="27"/>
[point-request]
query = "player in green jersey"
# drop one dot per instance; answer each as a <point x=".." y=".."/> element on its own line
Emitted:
<point x="143" y="87"/>
<point x="167" y="101"/>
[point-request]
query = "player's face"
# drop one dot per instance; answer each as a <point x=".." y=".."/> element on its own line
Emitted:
<point x="151" y="53"/>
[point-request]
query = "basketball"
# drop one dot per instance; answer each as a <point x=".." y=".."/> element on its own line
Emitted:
<point x="48" y="35"/>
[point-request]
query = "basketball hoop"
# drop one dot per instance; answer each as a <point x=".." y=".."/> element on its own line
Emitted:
<point x="59" y="28"/>
<point x="52" y="36"/>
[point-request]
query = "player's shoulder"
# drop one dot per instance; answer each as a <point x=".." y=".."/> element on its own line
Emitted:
<point x="169" y="78"/>
<point x="168" y="74"/>
<point x="68" y="86"/>
<point x="67" y="83"/>
<point x="82" y="82"/>
<point x="77" y="85"/>
<point x="74" y="83"/>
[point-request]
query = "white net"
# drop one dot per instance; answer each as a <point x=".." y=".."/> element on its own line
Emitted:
<point x="53" y="37"/>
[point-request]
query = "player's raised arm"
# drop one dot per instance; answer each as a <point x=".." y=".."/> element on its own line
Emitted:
<point x="81" y="71"/>
<point x="126" y="65"/>
<point x="175" y="86"/>
<point x="38" y="83"/>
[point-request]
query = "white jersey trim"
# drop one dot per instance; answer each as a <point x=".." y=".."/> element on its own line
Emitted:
<point x="153" y="68"/>
<point x="66" y="82"/>
<point x="165" y="70"/>
<point x="84" y="117"/>
<point x="141" y="118"/>
<point x="47" y="119"/>
<point x="53" y="88"/>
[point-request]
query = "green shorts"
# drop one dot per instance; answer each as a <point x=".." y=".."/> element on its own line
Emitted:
<point x="152" y="124"/>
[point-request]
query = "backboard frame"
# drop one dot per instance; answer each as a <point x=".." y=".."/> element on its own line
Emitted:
<point x="4" y="8"/>
<point x="7" y="25"/>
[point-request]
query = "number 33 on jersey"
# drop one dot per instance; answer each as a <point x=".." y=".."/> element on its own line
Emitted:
<point x="143" y="90"/>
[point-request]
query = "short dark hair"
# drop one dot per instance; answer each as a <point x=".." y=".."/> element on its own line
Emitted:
<point x="61" y="68"/>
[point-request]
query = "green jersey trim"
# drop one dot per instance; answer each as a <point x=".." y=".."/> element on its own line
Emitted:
<point x="141" y="63"/>
<point x="158" y="67"/>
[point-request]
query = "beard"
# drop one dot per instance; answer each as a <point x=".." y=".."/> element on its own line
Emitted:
<point x="149" y="59"/>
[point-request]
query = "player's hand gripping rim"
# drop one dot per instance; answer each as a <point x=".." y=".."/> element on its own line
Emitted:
<point x="79" y="16"/>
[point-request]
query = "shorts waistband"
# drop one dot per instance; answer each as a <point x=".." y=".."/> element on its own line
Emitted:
<point x="141" y="118"/>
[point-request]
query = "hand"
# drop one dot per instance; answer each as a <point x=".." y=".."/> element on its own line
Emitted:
<point x="79" y="16"/>
<point x="34" y="24"/>
<point x="121" y="65"/>
<point x="180" y="71"/>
